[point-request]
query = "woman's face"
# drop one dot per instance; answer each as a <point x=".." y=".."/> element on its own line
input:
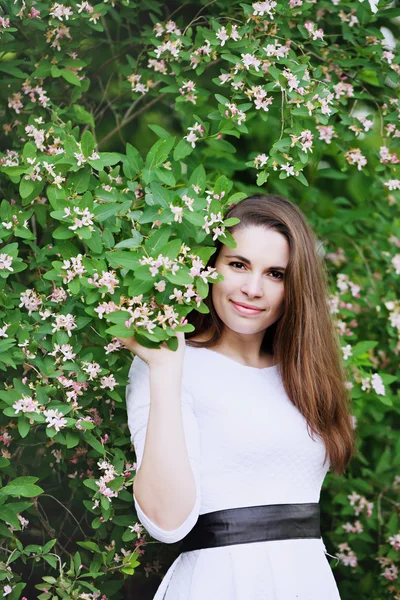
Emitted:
<point x="253" y="275"/>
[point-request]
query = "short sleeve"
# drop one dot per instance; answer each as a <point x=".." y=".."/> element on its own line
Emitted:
<point x="138" y="408"/>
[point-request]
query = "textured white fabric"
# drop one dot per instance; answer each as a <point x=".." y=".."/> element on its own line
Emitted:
<point x="248" y="445"/>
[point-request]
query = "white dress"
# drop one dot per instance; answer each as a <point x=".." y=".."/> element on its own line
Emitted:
<point x="248" y="445"/>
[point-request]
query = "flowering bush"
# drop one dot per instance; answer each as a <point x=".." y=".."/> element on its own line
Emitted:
<point x="106" y="231"/>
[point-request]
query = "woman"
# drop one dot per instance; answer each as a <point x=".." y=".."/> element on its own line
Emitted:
<point x="236" y="430"/>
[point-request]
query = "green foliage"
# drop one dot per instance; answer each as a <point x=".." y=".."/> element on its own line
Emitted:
<point x="125" y="138"/>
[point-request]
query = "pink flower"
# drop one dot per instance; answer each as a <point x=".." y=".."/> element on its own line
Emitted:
<point x="391" y="573"/>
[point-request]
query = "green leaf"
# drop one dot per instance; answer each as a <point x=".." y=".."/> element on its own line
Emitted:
<point x="10" y="516"/>
<point x="126" y="260"/>
<point x="181" y="277"/>
<point x="158" y="239"/>
<point x="92" y="441"/>
<point x="104" y="211"/>
<point x="171" y="249"/>
<point x="198" y="178"/>
<point x="72" y="438"/>
<point x="79" y="181"/>
<point x="50" y="544"/>
<point x="89" y="546"/>
<point x="82" y="115"/>
<point x="158" y="154"/>
<point x="135" y="160"/>
<point x="87" y="144"/>
<point x="363" y="348"/>
<point x="165" y="176"/>
<point x="262" y="177"/>
<point x="107" y="159"/>
<point x="11" y="70"/>
<point x="119" y="331"/>
<point x="63" y="233"/>
<point x="160" y="132"/>
<point x="29" y="151"/>
<point x="182" y="150"/>
<point x="193" y="217"/>
<point x="332" y="174"/>
<point x="26" y="187"/>
<point x="23" y="426"/>
<point x="22" y="486"/>
<point x="132" y="242"/>
<point x="70" y="77"/>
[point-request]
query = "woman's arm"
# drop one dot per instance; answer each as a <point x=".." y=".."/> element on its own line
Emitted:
<point x="166" y="439"/>
<point x="164" y="485"/>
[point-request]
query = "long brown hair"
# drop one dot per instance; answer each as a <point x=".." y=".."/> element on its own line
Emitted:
<point x="303" y="340"/>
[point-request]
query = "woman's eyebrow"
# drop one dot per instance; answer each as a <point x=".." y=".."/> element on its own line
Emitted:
<point x="247" y="262"/>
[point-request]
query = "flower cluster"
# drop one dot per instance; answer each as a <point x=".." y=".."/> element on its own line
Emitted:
<point x="305" y="139"/>
<point x="187" y="90"/>
<point x="85" y="221"/>
<point x="360" y="503"/>
<point x="73" y="267"/>
<point x="191" y="137"/>
<point x="26" y="404"/>
<point x="347" y="556"/>
<point x="354" y="156"/>
<point x="108" y="280"/>
<point x="109" y="475"/>
<point x="64" y="322"/>
<point x="234" y="113"/>
<point x="375" y="382"/>
<point x="55" y="418"/>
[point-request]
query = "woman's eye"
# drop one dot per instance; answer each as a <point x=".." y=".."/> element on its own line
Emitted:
<point x="277" y="274"/>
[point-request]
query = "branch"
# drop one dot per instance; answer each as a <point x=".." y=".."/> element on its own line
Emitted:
<point x="130" y="118"/>
<point x="67" y="509"/>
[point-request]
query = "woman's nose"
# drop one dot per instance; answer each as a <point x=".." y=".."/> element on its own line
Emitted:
<point x="252" y="286"/>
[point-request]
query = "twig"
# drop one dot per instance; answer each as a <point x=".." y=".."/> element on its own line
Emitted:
<point x="130" y="118"/>
<point x="196" y="15"/>
<point x="67" y="509"/>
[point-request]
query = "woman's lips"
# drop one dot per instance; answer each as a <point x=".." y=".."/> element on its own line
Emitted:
<point x="245" y="311"/>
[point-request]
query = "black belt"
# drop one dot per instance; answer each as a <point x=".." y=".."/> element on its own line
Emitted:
<point x="254" y="524"/>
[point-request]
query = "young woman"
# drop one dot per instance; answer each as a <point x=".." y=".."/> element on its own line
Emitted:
<point x="236" y="430"/>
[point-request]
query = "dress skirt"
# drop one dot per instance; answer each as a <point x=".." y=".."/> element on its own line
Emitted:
<point x="273" y="570"/>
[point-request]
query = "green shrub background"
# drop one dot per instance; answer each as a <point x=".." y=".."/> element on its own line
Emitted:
<point x="127" y="129"/>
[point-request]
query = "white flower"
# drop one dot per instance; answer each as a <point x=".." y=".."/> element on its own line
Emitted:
<point x="392" y="184"/>
<point x="222" y="35"/>
<point x="4" y="329"/>
<point x="395" y="262"/>
<point x="288" y="168"/>
<point x="55" y="418"/>
<point x="26" y="404"/>
<point x="260" y="160"/>
<point x="377" y="384"/>
<point x="177" y="211"/>
<point x="262" y="8"/>
<point x="355" y="157"/>
<point x="346" y="351"/>
<point x="249" y="60"/>
<point x="66" y="322"/>
<point x="191" y="138"/>
<point x="5" y="262"/>
<point x="59" y="11"/>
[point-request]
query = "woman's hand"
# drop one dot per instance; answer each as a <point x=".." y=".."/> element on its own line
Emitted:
<point x="156" y="357"/>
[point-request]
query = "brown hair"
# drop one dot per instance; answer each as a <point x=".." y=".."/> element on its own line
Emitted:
<point x="303" y="340"/>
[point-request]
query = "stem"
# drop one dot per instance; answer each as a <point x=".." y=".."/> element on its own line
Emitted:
<point x="67" y="509"/>
<point x="197" y="14"/>
<point x="125" y="121"/>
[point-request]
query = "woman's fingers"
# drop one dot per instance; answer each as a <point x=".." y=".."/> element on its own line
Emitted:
<point x="154" y="355"/>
